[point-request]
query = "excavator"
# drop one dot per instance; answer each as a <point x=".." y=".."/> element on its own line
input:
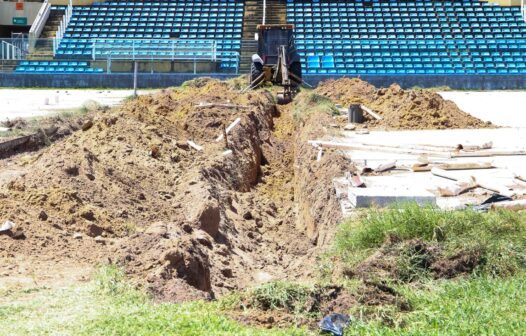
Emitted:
<point x="277" y="60"/>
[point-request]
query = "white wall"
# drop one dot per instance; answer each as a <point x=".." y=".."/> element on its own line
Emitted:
<point x="8" y="11"/>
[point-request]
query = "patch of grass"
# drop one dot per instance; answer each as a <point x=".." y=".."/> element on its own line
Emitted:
<point x="473" y="306"/>
<point x="308" y="102"/>
<point x="281" y="295"/>
<point x="110" y="305"/>
<point x="499" y="235"/>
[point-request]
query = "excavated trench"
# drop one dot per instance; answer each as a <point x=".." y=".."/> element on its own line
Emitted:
<point x="184" y="221"/>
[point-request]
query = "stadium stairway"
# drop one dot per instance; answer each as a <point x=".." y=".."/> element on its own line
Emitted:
<point x="44" y="48"/>
<point x="276" y="14"/>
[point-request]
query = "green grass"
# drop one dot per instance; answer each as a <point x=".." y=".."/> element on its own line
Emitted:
<point x="498" y="235"/>
<point x="112" y="306"/>
<point x="281" y="295"/>
<point x="308" y="102"/>
<point x="490" y="301"/>
<point x="473" y="306"/>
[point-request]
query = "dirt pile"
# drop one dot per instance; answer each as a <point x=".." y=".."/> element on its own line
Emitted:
<point x="185" y="223"/>
<point x="399" y="108"/>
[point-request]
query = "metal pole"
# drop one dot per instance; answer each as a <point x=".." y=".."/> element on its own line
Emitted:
<point x="264" y="10"/>
<point x="135" y="70"/>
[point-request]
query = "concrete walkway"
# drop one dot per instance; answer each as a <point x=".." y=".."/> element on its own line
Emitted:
<point x="26" y="103"/>
<point x="503" y="108"/>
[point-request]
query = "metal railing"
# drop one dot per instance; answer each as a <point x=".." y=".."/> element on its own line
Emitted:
<point x="154" y="49"/>
<point x="523" y="10"/>
<point x="62" y="27"/>
<point x="9" y="51"/>
<point x="40" y="22"/>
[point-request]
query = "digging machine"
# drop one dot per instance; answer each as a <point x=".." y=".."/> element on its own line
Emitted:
<point x="277" y="60"/>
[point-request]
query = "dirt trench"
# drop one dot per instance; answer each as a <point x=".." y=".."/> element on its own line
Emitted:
<point x="184" y="223"/>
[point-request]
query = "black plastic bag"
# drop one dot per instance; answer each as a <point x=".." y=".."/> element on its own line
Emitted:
<point x="335" y="324"/>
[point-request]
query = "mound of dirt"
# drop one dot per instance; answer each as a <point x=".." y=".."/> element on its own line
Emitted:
<point x="400" y="109"/>
<point x="129" y="188"/>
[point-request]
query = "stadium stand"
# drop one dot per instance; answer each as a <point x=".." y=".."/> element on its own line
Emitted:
<point x="408" y="37"/>
<point x="151" y="22"/>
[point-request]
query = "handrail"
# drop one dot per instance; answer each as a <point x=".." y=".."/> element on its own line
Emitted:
<point x="523" y="11"/>
<point x="137" y="49"/>
<point x="9" y="51"/>
<point x="40" y="20"/>
<point x="63" y="26"/>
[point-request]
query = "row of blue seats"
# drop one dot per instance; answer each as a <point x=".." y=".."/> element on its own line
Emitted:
<point x="346" y="24"/>
<point x="86" y="44"/>
<point x="398" y="57"/>
<point x="407" y="60"/>
<point x="406" y="31"/>
<point x="354" y="72"/>
<point x="423" y="67"/>
<point x="378" y="34"/>
<point x="428" y="11"/>
<point x="168" y="27"/>
<point x="53" y="63"/>
<point x="215" y="3"/>
<point x="456" y="3"/>
<point x="406" y="20"/>
<point x="146" y="36"/>
<point x="172" y="8"/>
<point x="143" y="29"/>
<point x="420" y="49"/>
<point x="408" y="37"/>
<point x="57" y="69"/>
<point x="468" y="62"/>
<point x="394" y="3"/>
<point x="123" y="12"/>
<point x="473" y="42"/>
<point x="160" y="18"/>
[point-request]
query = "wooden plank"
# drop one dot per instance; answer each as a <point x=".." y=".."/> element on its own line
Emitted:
<point x="355" y="146"/>
<point x="385" y="166"/>
<point x="371" y="113"/>
<point x="466" y="165"/>
<point x="194" y="145"/>
<point x="510" y="205"/>
<point x="489" y="153"/>
<point x="485" y="184"/>
<point x="228" y="129"/>
<point x="443" y="173"/>
<point x="202" y="105"/>
<point x="417" y="167"/>
<point x="458" y="188"/>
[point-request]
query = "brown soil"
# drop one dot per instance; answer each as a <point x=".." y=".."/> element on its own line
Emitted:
<point x="400" y="109"/>
<point x="128" y="189"/>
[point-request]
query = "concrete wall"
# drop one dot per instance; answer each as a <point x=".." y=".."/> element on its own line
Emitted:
<point x="468" y="82"/>
<point x="8" y="11"/>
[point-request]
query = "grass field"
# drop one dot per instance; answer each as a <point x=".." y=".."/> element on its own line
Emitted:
<point x="491" y="301"/>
